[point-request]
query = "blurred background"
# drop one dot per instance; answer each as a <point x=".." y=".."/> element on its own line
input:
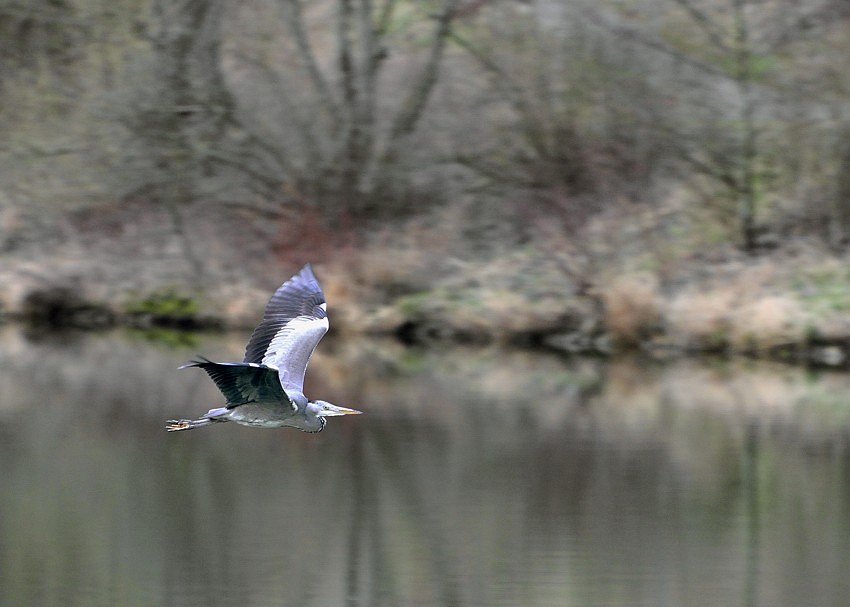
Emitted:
<point x="671" y="171"/>
<point x="528" y="216"/>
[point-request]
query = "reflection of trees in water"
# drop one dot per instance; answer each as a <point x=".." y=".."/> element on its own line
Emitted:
<point x="476" y="477"/>
<point x="749" y="471"/>
<point x="411" y="490"/>
<point x="613" y="489"/>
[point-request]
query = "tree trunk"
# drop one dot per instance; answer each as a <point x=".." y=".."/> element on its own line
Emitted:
<point x="748" y="187"/>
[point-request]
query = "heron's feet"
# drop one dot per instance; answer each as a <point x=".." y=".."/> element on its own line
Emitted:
<point x="173" y="425"/>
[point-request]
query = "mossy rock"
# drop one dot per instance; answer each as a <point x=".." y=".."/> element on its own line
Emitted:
<point x="166" y="303"/>
<point x="416" y="305"/>
<point x="167" y="308"/>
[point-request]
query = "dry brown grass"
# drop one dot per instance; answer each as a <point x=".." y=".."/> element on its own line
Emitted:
<point x="767" y="322"/>
<point x="742" y="319"/>
<point x="632" y="308"/>
<point x="701" y="320"/>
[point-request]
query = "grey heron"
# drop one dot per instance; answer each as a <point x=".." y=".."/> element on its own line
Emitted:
<point x="266" y="390"/>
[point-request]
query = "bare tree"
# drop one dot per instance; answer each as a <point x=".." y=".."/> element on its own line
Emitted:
<point x="583" y="118"/>
<point x="742" y="44"/>
<point x="176" y="126"/>
<point x="340" y="135"/>
<point x="336" y="109"/>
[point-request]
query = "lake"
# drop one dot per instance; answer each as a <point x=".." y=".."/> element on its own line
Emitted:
<point x="476" y="477"/>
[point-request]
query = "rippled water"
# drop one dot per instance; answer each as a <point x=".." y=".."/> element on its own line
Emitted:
<point x="477" y="477"/>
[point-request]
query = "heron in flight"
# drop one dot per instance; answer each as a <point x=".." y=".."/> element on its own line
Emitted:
<point x="266" y="390"/>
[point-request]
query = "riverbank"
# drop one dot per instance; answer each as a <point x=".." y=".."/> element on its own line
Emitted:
<point x="791" y="304"/>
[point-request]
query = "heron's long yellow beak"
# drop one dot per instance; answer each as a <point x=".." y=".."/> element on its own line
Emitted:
<point x="347" y="411"/>
<point x="333" y="411"/>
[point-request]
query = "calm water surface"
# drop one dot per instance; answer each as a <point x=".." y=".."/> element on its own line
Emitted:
<point x="477" y="477"/>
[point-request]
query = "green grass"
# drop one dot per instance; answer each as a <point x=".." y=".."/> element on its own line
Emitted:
<point x="414" y="306"/>
<point x="825" y="290"/>
<point x="165" y="304"/>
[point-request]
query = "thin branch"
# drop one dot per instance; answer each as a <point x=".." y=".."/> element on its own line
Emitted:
<point x="270" y="181"/>
<point x="372" y="55"/>
<point x="350" y="157"/>
<point x="804" y="23"/>
<point x="269" y="212"/>
<point x="274" y="162"/>
<point x="715" y="170"/>
<point x="494" y="172"/>
<point x="273" y="154"/>
<point x="634" y="35"/>
<point x="346" y="63"/>
<point x="293" y="17"/>
<point x="29" y="150"/>
<point x="304" y="127"/>
<point x="385" y="17"/>
<point x="411" y="110"/>
<point x="749" y="150"/>
<point x="514" y="92"/>
<point x="705" y="23"/>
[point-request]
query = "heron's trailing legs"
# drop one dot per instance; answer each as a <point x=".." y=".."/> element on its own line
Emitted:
<point x="173" y="425"/>
<point x="211" y="417"/>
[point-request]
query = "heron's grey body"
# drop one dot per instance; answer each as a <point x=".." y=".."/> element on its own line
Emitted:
<point x="266" y="389"/>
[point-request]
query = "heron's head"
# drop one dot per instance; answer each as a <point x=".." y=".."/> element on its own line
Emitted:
<point x="325" y="409"/>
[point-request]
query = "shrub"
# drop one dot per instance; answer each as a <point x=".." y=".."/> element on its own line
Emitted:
<point x="632" y="308"/>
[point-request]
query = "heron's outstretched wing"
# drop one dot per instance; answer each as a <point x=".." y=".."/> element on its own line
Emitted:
<point x="293" y="323"/>
<point x="243" y="383"/>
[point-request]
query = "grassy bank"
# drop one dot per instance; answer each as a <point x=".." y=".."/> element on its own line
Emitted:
<point x="621" y="282"/>
<point x="789" y="306"/>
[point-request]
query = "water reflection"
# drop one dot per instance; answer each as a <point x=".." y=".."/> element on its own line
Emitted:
<point x="476" y="478"/>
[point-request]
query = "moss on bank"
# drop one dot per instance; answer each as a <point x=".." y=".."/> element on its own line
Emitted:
<point x="60" y="306"/>
<point x="165" y="304"/>
<point x="168" y="308"/>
